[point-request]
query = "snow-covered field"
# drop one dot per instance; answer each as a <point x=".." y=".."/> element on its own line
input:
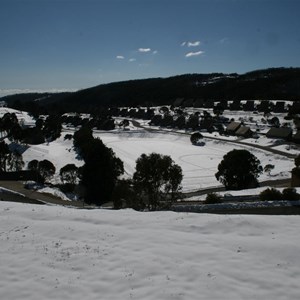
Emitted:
<point x="60" y="152"/>
<point x="53" y="252"/>
<point x="62" y="253"/>
<point x="199" y="163"/>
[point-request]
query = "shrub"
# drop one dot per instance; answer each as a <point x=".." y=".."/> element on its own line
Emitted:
<point x="33" y="165"/>
<point x="69" y="174"/>
<point x="46" y="169"/>
<point x="270" y="194"/>
<point x="196" y="137"/>
<point x="290" y="194"/>
<point x="68" y="136"/>
<point x="268" y="168"/>
<point x="213" y="198"/>
<point x="124" y="196"/>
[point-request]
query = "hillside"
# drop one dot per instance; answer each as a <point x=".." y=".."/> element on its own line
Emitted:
<point x="275" y="83"/>
<point x="52" y="252"/>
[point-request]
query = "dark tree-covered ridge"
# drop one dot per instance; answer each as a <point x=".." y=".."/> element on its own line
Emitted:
<point x="274" y="83"/>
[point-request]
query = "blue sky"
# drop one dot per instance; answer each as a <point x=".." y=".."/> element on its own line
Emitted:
<point x="74" y="44"/>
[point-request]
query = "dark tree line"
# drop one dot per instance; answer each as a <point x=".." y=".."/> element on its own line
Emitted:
<point x="101" y="121"/>
<point x="274" y="83"/>
<point x="48" y="129"/>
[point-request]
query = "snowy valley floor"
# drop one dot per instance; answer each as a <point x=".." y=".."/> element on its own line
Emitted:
<point x="53" y="252"/>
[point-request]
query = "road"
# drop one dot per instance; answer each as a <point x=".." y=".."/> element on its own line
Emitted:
<point x="31" y="196"/>
<point x="239" y="142"/>
<point x="273" y="183"/>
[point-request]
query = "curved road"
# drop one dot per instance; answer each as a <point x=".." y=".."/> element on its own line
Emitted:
<point x="265" y="148"/>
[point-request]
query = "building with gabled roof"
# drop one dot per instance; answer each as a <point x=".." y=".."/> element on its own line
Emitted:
<point x="233" y="127"/>
<point x="280" y="133"/>
<point x="244" y="131"/>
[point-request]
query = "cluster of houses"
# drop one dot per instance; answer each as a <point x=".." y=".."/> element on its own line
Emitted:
<point x="277" y="106"/>
<point x="177" y="118"/>
<point x="238" y="128"/>
<point x="284" y="133"/>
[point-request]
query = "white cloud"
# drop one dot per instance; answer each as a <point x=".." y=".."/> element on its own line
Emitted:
<point x="193" y="44"/>
<point x="144" y="50"/>
<point x="120" y="57"/>
<point x="224" y="40"/>
<point x="191" y="54"/>
<point x="190" y="44"/>
<point x="132" y="59"/>
<point x="155" y="52"/>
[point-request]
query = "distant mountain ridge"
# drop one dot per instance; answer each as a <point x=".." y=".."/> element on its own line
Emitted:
<point x="274" y="83"/>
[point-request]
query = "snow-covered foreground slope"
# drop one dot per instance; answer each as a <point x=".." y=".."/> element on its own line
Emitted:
<point x="62" y="253"/>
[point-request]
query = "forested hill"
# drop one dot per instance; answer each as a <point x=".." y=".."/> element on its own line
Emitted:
<point x="275" y="83"/>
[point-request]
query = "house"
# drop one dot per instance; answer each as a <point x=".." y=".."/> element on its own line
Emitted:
<point x="244" y="131"/>
<point x="280" y="133"/>
<point x="233" y="127"/>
